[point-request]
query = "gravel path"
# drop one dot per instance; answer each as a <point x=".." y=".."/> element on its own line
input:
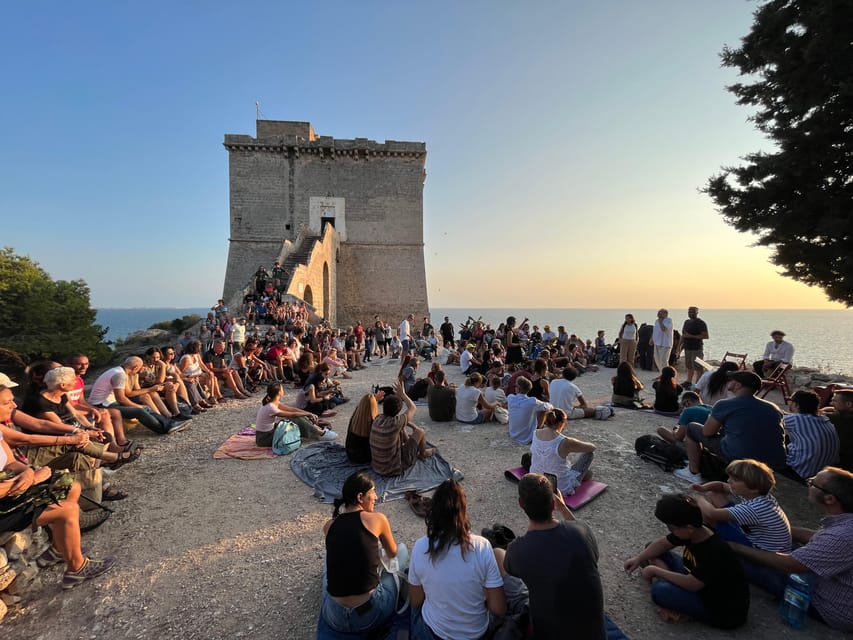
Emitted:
<point x="212" y="549"/>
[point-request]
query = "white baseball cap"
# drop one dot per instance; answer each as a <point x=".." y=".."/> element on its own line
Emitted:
<point x="6" y="381"/>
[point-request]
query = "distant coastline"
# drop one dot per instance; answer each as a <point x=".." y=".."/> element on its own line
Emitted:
<point x="819" y="336"/>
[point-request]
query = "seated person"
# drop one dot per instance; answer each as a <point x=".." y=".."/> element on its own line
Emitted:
<point x="776" y="352"/>
<point x="396" y="443"/>
<point x="280" y="357"/>
<point x="273" y="410"/>
<point x="550" y="449"/>
<point x="667" y="391"/>
<point x="707" y="583"/>
<point x="493" y="392"/>
<point x="313" y="397"/>
<point x="337" y="367"/>
<point x="540" y="381"/>
<point x="217" y="362"/>
<point x="753" y="518"/>
<point x="471" y="405"/>
<point x="626" y="386"/>
<point x="692" y="410"/>
<point x="566" y="395"/>
<point x="826" y="554"/>
<point x="840" y="413"/>
<point x="408" y="372"/>
<point x="441" y="399"/>
<point x="526" y="414"/>
<point x="468" y="362"/>
<point x="360" y="423"/>
<point x="357" y="597"/>
<point x="713" y="385"/>
<point x="62" y="518"/>
<point x="812" y="440"/>
<point x="738" y="428"/>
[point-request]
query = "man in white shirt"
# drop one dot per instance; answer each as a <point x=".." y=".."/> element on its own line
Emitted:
<point x="405" y="333"/>
<point x="238" y="335"/>
<point x="467" y="360"/>
<point x="662" y="339"/>
<point x="776" y="352"/>
<point x="563" y="394"/>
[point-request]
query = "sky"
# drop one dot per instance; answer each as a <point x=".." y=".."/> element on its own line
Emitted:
<point x="567" y="141"/>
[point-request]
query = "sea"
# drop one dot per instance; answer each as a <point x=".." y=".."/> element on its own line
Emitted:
<point x="821" y="338"/>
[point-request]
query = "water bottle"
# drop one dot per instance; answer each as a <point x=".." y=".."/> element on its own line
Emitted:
<point x="795" y="601"/>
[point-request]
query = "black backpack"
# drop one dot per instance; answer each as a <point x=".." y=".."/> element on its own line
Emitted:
<point x="655" y="449"/>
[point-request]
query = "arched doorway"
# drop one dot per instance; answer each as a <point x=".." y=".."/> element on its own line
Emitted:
<point x="326" y="293"/>
<point x="307" y="295"/>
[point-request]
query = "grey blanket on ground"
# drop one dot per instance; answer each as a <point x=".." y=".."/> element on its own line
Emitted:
<point x="324" y="466"/>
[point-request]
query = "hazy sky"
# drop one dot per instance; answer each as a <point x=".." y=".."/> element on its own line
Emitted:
<point x="566" y="141"/>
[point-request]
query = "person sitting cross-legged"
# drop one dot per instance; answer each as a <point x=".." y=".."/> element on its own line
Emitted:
<point x="566" y="395"/>
<point x="550" y="451"/>
<point x="526" y="414"/>
<point x="706" y="583"/>
<point x="396" y="443"/>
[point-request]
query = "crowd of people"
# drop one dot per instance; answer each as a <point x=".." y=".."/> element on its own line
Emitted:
<point x="461" y="585"/>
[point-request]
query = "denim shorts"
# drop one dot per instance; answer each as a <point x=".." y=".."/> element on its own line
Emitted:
<point x="480" y="419"/>
<point x="346" y="620"/>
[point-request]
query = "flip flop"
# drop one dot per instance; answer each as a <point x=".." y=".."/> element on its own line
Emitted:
<point x="114" y="493"/>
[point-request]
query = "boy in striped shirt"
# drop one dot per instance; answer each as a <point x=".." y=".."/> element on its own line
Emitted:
<point x="743" y="510"/>
<point x="812" y="439"/>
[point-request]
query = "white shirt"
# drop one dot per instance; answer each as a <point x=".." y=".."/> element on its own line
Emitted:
<point x="466" y="403"/>
<point x="662" y="337"/>
<point x="455" y="605"/>
<point x="465" y="360"/>
<point x="563" y="394"/>
<point x="405" y="330"/>
<point x="782" y="352"/>
<point x="103" y="391"/>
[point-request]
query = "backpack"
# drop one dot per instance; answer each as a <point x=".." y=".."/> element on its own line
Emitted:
<point x="612" y="359"/>
<point x="287" y="438"/>
<point x="655" y="449"/>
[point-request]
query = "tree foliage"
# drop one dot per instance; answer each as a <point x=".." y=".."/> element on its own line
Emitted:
<point x="45" y="318"/>
<point x="797" y="66"/>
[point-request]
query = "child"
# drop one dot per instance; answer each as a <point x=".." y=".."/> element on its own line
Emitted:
<point x="707" y="583"/>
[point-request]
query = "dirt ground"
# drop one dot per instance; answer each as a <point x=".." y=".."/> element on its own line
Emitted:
<point x="213" y="549"/>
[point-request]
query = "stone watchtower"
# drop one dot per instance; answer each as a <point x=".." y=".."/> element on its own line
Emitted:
<point x="344" y="217"/>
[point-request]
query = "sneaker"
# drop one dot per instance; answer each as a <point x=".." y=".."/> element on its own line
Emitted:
<point x="90" y="569"/>
<point x="49" y="558"/>
<point x="687" y="474"/>
<point x="178" y="426"/>
<point x="328" y="435"/>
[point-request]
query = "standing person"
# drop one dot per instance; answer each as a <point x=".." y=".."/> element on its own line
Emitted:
<point x="454" y="577"/>
<point x="628" y="337"/>
<point x="355" y="598"/>
<point x="514" y="346"/>
<point x="405" y="334"/>
<point x="693" y="332"/>
<point x="662" y="339"/>
<point x="556" y="558"/>
<point x="380" y="338"/>
<point x="645" y="350"/>
<point x="446" y="330"/>
<point x="237" y="335"/>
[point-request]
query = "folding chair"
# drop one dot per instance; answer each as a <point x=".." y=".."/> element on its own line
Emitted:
<point x="737" y="358"/>
<point x="777" y="380"/>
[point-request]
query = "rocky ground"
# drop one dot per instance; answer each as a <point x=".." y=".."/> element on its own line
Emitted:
<point x="212" y="549"/>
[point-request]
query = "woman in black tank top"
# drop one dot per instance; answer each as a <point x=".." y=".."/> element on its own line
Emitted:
<point x="357" y="595"/>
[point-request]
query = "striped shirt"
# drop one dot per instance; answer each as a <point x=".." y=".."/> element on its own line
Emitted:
<point x="812" y="443"/>
<point x="829" y="554"/>
<point x="764" y="523"/>
<point x="385" y="444"/>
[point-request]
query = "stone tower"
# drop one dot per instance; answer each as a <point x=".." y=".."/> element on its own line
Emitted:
<point x="289" y="185"/>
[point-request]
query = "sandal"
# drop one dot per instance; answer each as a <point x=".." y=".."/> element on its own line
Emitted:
<point x="114" y="493"/>
<point x="132" y="456"/>
<point x="127" y="446"/>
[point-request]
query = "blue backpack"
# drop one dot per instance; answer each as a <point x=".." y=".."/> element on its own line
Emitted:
<point x="286" y="438"/>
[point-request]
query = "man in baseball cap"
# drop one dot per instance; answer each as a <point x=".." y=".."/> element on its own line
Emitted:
<point x="740" y="427"/>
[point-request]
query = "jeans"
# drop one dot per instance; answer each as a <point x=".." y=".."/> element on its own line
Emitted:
<point x="420" y="629"/>
<point x="666" y="594"/>
<point x="145" y="417"/>
<point x="769" y="579"/>
<point x="345" y="620"/>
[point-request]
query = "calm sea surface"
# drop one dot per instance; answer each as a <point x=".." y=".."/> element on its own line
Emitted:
<point x="821" y="338"/>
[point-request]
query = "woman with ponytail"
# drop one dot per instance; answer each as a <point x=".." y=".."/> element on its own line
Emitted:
<point x="272" y="411"/>
<point x="357" y="596"/>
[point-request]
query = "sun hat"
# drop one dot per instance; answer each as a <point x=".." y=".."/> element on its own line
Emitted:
<point x="6" y="381"/>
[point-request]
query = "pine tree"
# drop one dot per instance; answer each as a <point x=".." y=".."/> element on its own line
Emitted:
<point x="797" y="65"/>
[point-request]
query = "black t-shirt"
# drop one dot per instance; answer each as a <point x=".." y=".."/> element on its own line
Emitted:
<point x="214" y="360"/>
<point x="447" y="331"/>
<point x="695" y="326"/>
<point x="560" y="568"/>
<point x="726" y="591"/>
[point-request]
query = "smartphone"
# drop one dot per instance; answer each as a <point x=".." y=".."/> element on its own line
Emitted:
<point x="553" y="480"/>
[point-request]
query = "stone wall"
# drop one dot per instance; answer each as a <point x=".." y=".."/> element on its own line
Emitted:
<point x="18" y="568"/>
<point x="379" y="188"/>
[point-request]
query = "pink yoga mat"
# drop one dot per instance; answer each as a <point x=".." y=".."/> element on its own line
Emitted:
<point x="585" y="493"/>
